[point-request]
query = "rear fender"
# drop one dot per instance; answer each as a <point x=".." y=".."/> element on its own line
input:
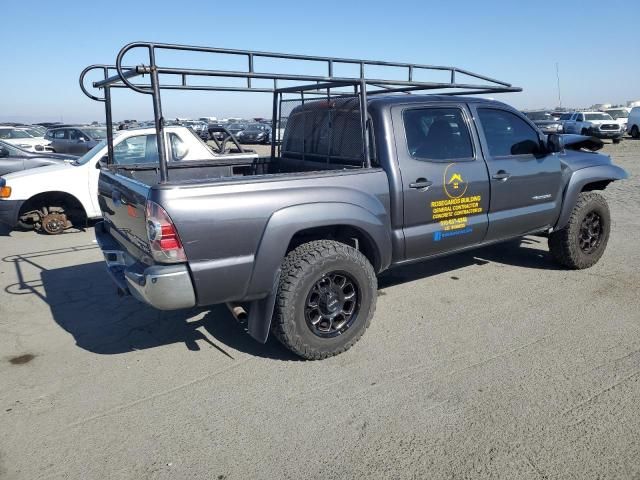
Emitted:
<point x="281" y="228"/>
<point x="582" y="178"/>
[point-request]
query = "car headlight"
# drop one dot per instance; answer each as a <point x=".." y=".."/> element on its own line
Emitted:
<point x="239" y="134"/>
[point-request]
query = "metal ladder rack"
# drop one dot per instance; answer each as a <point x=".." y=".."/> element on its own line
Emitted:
<point x="119" y="76"/>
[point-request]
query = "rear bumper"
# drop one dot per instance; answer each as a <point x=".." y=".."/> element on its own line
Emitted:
<point x="9" y="210"/>
<point x="165" y="287"/>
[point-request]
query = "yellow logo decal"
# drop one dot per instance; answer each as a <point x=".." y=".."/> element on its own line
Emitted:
<point x="455" y="186"/>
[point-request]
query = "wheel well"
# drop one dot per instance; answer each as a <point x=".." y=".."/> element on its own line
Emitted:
<point x="346" y="234"/>
<point x="71" y="204"/>
<point x="601" y="185"/>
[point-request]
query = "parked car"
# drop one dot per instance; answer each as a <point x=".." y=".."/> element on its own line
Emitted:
<point x="595" y="124"/>
<point x="633" y="123"/>
<point x="309" y="232"/>
<point x="75" y="140"/>
<point x="200" y="128"/>
<point x="14" y="159"/>
<point x="545" y="121"/>
<point x="620" y="115"/>
<point x="236" y="128"/>
<point x="53" y="198"/>
<point x="21" y="138"/>
<point x="255" y="133"/>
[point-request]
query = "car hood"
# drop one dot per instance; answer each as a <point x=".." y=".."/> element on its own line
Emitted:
<point x="55" y="156"/>
<point x="27" y="141"/>
<point x="49" y="172"/>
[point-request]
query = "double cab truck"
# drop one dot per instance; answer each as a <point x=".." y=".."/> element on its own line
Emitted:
<point x="360" y="184"/>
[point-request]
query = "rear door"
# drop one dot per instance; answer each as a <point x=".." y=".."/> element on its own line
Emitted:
<point x="444" y="179"/>
<point x="525" y="180"/>
<point x="60" y="140"/>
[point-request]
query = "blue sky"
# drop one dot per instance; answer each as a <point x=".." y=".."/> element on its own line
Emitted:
<point x="47" y="44"/>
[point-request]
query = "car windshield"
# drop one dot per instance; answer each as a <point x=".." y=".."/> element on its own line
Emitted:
<point x="255" y="128"/>
<point x="597" y="116"/>
<point x="96" y="133"/>
<point x="13" y="150"/>
<point x="237" y="126"/>
<point x="565" y="116"/>
<point x="32" y="131"/>
<point x="538" y="116"/>
<point x="91" y="153"/>
<point x="616" y="114"/>
<point x="13" y="133"/>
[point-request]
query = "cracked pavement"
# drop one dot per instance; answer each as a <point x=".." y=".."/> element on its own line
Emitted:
<point x="488" y="364"/>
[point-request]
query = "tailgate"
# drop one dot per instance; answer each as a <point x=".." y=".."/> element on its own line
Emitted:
<point x="123" y="201"/>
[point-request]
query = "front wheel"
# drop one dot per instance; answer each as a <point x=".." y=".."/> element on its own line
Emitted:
<point x="581" y="243"/>
<point x="616" y="140"/>
<point x="326" y="299"/>
<point x="635" y="132"/>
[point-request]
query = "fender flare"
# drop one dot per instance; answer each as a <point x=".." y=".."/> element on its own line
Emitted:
<point x="277" y="235"/>
<point x="577" y="182"/>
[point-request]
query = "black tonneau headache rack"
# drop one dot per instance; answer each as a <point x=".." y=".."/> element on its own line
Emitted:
<point x="119" y="76"/>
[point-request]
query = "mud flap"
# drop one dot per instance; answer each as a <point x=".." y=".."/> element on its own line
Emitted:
<point x="261" y="312"/>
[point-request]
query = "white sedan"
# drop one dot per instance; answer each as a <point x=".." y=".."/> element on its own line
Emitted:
<point x="23" y="139"/>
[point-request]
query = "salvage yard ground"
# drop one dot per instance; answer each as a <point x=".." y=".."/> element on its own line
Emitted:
<point x="493" y="363"/>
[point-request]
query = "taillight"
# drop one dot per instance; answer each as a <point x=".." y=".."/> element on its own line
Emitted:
<point x="164" y="241"/>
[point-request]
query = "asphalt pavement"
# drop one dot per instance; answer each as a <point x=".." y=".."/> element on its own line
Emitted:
<point x="489" y="364"/>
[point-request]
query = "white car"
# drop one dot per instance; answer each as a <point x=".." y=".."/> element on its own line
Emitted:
<point x="55" y="197"/>
<point x="22" y="138"/>
<point x="633" y="122"/>
<point x="620" y="115"/>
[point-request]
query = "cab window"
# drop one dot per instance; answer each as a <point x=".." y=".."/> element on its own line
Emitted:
<point x="437" y="134"/>
<point x="507" y="134"/>
<point x="144" y="149"/>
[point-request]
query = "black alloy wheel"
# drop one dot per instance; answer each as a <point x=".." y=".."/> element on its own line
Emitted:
<point x="332" y="304"/>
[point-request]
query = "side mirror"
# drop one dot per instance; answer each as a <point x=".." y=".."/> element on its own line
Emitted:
<point x="555" y="143"/>
<point x="82" y="140"/>
<point x="4" y="152"/>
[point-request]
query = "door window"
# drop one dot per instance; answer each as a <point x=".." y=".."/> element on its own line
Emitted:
<point x="75" y="134"/>
<point x="437" y="134"/>
<point x="507" y="134"/>
<point x="60" y="134"/>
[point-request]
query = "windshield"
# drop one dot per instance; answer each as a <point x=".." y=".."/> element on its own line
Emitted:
<point x="256" y="128"/>
<point x="538" y="116"/>
<point x="616" y="114"/>
<point x="237" y="126"/>
<point x="96" y="133"/>
<point x="13" y="150"/>
<point x="597" y="116"/>
<point x="32" y="131"/>
<point x="13" y="133"/>
<point x="565" y="116"/>
<point x="91" y="153"/>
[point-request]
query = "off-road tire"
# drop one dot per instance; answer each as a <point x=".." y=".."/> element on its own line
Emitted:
<point x="301" y="269"/>
<point x="564" y="244"/>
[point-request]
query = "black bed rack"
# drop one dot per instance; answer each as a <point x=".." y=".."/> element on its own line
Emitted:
<point x="119" y="76"/>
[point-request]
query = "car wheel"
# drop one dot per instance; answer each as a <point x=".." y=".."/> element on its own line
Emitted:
<point x="635" y="132"/>
<point x="326" y="299"/>
<point x="581" y="243"/>
<point x="617" y="140"/>
<point x="584" y="132"/>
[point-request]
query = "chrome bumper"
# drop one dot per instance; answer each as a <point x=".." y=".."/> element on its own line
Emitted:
<point x="165" y="287"/>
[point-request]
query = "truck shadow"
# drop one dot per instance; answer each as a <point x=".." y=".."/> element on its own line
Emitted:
<point x="83" y="301"/>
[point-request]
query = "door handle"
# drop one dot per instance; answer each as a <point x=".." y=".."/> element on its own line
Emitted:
<point x="421" y="183"/>
<point x="501" y="175"/>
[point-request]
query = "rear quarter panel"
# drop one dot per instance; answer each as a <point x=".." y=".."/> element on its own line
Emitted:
<point x="223" y="225"/>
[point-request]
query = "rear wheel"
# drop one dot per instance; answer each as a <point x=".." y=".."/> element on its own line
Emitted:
<point x="635" y="132"/>
<point x="581" y="243"/>
<point x="326" y="299"/>
<point x="584" y="132"/>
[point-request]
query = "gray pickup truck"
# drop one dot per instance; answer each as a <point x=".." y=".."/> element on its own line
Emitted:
<point x="296" y="239"/>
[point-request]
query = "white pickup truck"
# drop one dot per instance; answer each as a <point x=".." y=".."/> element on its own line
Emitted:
<point x="595" y="124"/>
<point x="53" y="198"/>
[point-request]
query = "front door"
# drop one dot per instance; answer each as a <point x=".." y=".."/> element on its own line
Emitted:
<point x="526" y="184"/>
<point x="444" y="179"/>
